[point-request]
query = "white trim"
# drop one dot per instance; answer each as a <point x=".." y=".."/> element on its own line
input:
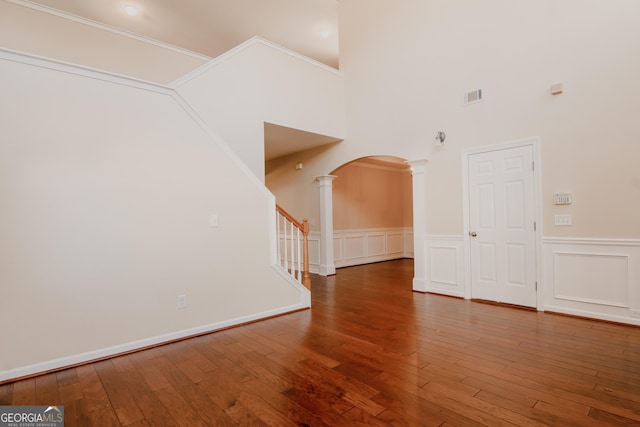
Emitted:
<point x="342" y="257"/>
<point x="242" y="47"/>
<point x="534" y="142"/>
<point x="81" y="70"/>
<point x="140" y="344"/>
<point x="108" y="28"/>
<point x="418" y="181"/>
<point x="591" y="241"/>
<point x="305" y="294"/>
<point x="591" y="315"/>
<point x="229" y="152"/>
<point x="325" y="193"/>
<point x="314" y="252"/>
<point x="451" y="238"/>
<point x="404" y="169"/>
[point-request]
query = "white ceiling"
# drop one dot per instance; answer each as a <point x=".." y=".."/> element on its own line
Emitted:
<point x="281" y="141"/>
<point x="212" y="27"/>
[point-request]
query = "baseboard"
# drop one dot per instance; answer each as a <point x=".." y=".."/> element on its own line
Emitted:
<point x="78" y="359"/>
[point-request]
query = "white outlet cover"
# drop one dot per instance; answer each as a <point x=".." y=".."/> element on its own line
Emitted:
<point x="563" y="220"/>
<point x="182" y="301"/>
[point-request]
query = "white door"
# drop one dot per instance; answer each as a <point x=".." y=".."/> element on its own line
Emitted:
<point x="501" y="226"/>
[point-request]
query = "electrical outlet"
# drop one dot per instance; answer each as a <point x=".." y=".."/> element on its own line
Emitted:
<point x="563" y="219"/>
<point x="182" y="301"/>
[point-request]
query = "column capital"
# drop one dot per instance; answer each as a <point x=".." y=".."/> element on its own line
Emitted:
<point x="418" y="165"/>
<point x="325" y="178"/>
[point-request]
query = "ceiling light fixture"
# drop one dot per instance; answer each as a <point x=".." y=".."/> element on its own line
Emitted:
<point x="131" y="10"/>
<point x="325" y="33"/>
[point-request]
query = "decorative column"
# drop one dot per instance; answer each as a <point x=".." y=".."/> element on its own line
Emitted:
<point x="418" y="168"/>
<point x="327" y="263"/>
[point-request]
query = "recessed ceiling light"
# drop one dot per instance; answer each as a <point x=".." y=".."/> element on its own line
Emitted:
<point x="325" y="33"/>
<point x="131" y="10"/>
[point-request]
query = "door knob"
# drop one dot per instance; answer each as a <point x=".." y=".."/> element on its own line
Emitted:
<point x="473" y="234"/>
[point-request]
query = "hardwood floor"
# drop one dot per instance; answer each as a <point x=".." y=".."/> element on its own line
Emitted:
<point x="370" y="352"/>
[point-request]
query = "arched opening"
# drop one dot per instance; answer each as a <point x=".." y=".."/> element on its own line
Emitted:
<point x="372" y="211"/>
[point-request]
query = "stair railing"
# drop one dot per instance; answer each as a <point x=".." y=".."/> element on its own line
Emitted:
<point x="293" y="246"/>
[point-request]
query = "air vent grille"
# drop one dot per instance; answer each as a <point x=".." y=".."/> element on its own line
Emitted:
<point x="473" y="96"/>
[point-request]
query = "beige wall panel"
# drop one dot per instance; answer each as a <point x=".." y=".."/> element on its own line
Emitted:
<point x="107" y="193"/>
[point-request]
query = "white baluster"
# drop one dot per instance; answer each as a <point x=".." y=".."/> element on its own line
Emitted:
<point x="286" y="257"/>
<point x="299" y="256"/>
<point x="292" y="269"/>
<point x="279" y="251"/>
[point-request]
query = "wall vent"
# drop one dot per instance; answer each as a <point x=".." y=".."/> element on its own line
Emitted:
<point x="473" y="96"/>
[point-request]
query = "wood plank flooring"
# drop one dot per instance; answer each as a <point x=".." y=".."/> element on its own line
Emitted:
<point x="370" y="352"/>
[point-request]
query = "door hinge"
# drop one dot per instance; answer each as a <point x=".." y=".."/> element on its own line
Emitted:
<point x="533" y="166"/>
<point x="534" y="226"/>
<point x="536" y="286"/>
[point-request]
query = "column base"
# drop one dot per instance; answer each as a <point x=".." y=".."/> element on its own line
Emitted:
<point x="419" y="284"/>
<point x="327" y="270"/>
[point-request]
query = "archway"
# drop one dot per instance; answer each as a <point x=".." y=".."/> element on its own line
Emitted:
<point x="372" y="211"/>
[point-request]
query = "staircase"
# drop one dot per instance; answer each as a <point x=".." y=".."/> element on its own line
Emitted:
<point x="293" y="246"/>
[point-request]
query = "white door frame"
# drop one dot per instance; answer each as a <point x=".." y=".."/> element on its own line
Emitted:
<point x="534" y="142"/>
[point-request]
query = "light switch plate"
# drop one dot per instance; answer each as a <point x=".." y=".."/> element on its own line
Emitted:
<point x="562" y="199"/>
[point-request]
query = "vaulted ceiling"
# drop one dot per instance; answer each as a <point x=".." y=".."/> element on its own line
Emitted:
<point x="211" y="27"/>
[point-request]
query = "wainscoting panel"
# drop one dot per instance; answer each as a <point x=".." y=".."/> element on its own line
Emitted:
<point x="354" y="246"/>
<point x="376" y="245"/>
<point x="363" y="246"/>
<point x="408" y="243"/>
<point x="445" y="269"/>
<point x="394" y="243"/>
<point x="593" y="277"/>
<point x="314" y="252"/>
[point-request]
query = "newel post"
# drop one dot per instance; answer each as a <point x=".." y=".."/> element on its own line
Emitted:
<point x="306" y="279"/>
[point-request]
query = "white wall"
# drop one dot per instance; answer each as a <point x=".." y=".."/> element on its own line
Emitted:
<point x="106" y="194"/>
<point x="407" y="65"/>
<point x="261" y="82"/>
